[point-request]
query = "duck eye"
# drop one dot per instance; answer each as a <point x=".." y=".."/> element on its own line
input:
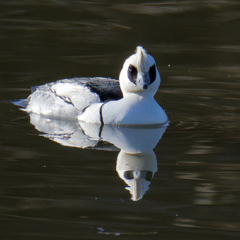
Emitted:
<point x="152" y="73"/>
<point x="132" y="73"/>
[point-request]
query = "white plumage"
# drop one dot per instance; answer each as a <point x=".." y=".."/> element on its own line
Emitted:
<point x="129" y="101"/>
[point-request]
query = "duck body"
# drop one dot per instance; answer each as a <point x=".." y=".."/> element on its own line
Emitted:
<point x="66" y="98"/>
<point x="129" y="101"/>
<point x="130" y="110"/>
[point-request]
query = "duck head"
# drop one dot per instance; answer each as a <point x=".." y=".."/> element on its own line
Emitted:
<point x="140" y="74"/>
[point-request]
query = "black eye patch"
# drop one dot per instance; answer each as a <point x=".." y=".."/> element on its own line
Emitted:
<point x="132" y="73"/>
<point x="152" y="73"/>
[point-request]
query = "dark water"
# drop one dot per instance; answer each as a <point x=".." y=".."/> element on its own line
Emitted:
<point x="50" y="191"/>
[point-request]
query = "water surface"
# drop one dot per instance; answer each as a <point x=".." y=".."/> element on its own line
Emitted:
<point x="51" y="191"/>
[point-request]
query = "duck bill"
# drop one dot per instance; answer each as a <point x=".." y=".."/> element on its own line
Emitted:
<point x="144" y="80"/>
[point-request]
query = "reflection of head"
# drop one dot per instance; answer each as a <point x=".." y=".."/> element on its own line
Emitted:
<point x="137" y="170"/>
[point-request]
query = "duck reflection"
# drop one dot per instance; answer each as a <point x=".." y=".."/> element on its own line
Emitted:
<point x="136" y="161"/>
<point x="137" y="170"/>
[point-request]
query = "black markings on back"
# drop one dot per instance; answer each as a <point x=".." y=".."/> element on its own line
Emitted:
<point x="106" y="89"/>
<point x="101" y="121"/>
<point x="152" y="73"/>
<point x="65" y="99"/>
<point x="101" y="116"/>
<point x="84" y="109"/>
<point x="132" y="73"/>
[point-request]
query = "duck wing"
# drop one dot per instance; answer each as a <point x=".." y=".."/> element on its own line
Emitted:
<point x="66" y="98"/>
<point x="106" y="88"/>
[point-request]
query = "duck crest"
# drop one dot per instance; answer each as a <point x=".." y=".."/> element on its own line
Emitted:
<point x="142" y="62"/>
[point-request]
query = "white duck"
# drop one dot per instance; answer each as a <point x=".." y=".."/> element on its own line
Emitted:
<point x="103" y="100"/>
